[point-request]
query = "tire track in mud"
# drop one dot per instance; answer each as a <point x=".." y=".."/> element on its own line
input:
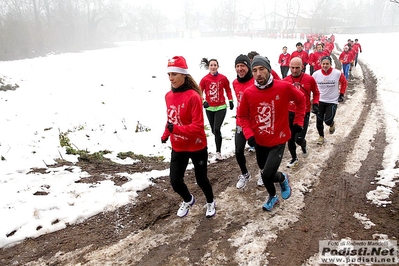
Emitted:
<point x="338" y="195"/>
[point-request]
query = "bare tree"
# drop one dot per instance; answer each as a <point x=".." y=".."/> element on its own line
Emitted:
<point x="216" y="19"/>
<point x="231" y="14"/>
<point x="292" y="9"/>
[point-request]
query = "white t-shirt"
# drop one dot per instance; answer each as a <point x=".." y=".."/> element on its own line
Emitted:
<point x="328" y="85"/>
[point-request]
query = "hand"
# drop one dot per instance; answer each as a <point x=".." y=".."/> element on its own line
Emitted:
<point x="315" y="108"/>
<point x="341" y="98"/>
<point x="231" y="105"/>
<point x="251" y="141"/>
<point x="170" y="127"/>
<point x="164" y="140"/>
<point x="297" y="128"/>
<point x="205" y="104"/>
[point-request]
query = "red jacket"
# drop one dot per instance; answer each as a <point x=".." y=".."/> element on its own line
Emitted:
<point x="284" y="59"/>
<point x="184" y="110"/>
<point x="308" y="86"/>
<point x="214" y="87"/>
<point x="264" y="112"/>
<point x="239" y="88"/>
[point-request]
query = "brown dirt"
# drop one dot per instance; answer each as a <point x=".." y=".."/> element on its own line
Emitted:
<point x="136" y="228"/>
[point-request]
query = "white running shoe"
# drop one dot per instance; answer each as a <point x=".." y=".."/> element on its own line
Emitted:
<point x="185" y="207"/>
<point x="219" y="157"/>
<point x="210" y="209"/>
<point x="243" y="180"/>
<point x="260" y="180"/>
<point x="251" y="149"/>
<point x="293" y="163"/>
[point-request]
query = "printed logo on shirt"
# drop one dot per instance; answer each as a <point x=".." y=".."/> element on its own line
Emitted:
<point x="214" y="91"/>
<point x="174" y="118"/>
<point x="265" y="118"/>
<point x="327" y="83"/>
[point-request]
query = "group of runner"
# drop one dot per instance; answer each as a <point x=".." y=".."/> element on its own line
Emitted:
<point x="270" y="113"/>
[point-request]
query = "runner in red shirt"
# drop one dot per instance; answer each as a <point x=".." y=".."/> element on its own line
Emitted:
<point x="317" y="55"/>
<point x="307" y="46"/>
<point x="308" y="86"/>
<point x="346" y="59"/>
<point x="214" y="85"/>
<point x="263" y="114"/>
<point x="301" y="54"/>
<point x="185" y="127"/>
<point x="284" y="61"/>
<point x="358" y="49"/>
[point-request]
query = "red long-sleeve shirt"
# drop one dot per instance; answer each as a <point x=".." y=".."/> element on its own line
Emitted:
<point x="316" y="59"/>
<point x="308" y="86"/>
<point x="302" y="54"/>
<point x="284" y="59"/>
<point x="214" y="86"/>
<point x="346" y="57"/>
<point x="239" y="88"/>
<point x="357" y="47"/>
<point x="184" y="111"/>
<point x="263" y="113"/>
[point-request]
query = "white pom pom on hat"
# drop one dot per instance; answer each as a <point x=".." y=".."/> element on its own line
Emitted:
<point x="177" y="64"/>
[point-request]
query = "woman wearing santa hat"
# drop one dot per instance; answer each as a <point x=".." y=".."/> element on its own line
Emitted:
<point x="185" y="128"/>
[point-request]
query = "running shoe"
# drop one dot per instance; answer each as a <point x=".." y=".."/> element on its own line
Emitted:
<point x="243" y="180"/>
<point x="210" y="209"/>
<point x="285" y="187"/>
<point x="293" y="163"/>
<point x="270" y="203"/>
<point x="185" y="207"/>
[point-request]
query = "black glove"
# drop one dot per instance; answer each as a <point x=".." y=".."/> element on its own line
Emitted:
<point x="231" y="105"/>
<point x="164" y="140"/>
<point x="170" y="127"/>
<point x="315" y="108"/>
<point x="297" y="128"/>
<point x="205" y="104"/>
<point x="341" y="98"/>
<point x="251" y="141"/>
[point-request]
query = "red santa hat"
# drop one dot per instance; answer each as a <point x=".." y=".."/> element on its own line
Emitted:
<point x="177" y="64"/>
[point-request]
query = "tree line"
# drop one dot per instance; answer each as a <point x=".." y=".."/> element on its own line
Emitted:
<point x="31" y="28"/>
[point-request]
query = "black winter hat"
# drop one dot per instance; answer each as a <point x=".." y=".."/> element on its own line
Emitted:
<point x="243" y="59"/>
<point x="261" y="61"/>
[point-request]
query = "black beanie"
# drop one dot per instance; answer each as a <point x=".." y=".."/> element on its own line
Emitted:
<point x="261" y="61"/>
<point x="243" y="59"/>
